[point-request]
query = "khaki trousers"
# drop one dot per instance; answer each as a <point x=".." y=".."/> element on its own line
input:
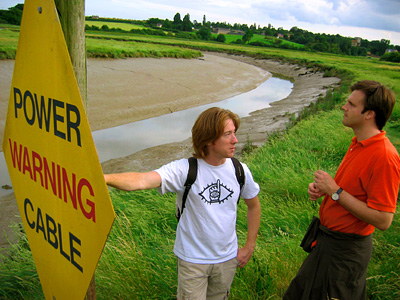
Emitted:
<point x="205" y="281"/>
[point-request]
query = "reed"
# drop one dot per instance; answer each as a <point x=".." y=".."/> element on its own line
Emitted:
<point x="8" y="41"/>
<point x="106" y="48"/>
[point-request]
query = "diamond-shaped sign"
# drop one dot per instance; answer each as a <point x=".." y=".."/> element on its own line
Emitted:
<point x="52" y="160"/>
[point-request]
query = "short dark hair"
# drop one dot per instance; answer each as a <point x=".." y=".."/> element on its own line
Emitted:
<point x="378" y="98"/>
<point x="209" y="126"/>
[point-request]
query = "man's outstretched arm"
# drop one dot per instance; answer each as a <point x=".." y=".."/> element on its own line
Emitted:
<point x="133" y="181"/>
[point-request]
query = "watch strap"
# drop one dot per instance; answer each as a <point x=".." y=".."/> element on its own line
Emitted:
<point x="335" y="195"/>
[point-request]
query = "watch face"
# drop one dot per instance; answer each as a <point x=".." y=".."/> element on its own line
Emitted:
<point x="335" y="195"/>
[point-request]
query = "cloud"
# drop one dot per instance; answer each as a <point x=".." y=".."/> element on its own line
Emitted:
<point x="365" y="16"/>
<point x="384" y="14"/>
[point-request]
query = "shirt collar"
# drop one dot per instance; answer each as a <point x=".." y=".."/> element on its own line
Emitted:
<point x="380" y="136"/>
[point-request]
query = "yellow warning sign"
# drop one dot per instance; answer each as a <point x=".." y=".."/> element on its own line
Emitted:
<point x="52" y="160"/>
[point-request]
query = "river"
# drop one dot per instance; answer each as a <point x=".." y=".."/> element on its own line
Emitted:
<point x="127" y="139"/>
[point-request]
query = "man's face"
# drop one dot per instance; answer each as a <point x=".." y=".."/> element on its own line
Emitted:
<point x="224" y="146"/>
<point x="353" y="116"/>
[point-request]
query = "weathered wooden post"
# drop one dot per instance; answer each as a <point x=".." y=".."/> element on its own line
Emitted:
<point x="72" y="19"/>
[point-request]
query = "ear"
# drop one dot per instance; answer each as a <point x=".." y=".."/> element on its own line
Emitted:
<point x="370" y="114"/>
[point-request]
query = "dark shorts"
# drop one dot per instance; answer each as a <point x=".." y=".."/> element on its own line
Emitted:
<point x="336" y="268"/>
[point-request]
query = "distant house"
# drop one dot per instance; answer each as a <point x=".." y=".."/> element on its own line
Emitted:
<point x="221" y="30"/>
<point x="391" y="51"/>
<point x="95" y="17"/>
<point x="159" y="25"/>
<point x="227" y="31"/>
<point x="356" y="42"/>
<point x="280" y="36"/>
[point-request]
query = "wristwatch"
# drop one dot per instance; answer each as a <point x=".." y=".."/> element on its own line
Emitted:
<point x="335" y="195"/>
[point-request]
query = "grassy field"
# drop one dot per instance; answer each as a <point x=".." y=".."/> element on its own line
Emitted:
<point x="138" y="263"/>
<point x="123" y="26"/>
<point x="8" y="40"/>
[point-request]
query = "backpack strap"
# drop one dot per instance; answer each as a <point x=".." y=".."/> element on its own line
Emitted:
<point x="239" y="173"/>
<point x="191" y="178"/>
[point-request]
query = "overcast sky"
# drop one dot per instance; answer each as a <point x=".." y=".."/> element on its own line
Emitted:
<point x="368" y="19"/>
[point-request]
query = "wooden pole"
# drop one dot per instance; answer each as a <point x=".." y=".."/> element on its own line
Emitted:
<point x="72" y="19"/>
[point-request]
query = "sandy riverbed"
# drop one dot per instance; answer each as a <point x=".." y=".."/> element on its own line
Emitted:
<point x="125" y="91"/>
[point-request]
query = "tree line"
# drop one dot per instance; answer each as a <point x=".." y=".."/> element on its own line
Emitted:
<point x="13" y="15"/>
<point x="184" y="28"/>
<point x="312" y="41"/>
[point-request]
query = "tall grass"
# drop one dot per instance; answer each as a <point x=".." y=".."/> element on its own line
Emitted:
<point x="8" y="41"/>
<point x="138" y="263"/>
<point x="121" y="49"/>
<point x="18" y="276"/>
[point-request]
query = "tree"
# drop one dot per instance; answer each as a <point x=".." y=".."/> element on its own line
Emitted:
<point x="345" y="45"/>
<point x="167" y="24"/>
<point x="186" y="24"/>
<point x="269" y="31"/>
<point x="204" y="33"/>
<point x="177" y="21"/>
<point x="322" y="47"/>
<point x="247" y="37"/>
<point x="244" y="27"/>
<point x="13" y="15"/>
<point x="152" y="22"/>
<point x="379" y="47"/>
<point x="221" y="38"/>
<point x="196" y="24"/>
<point x="391" y="56"/>
<point x="362" y="51"/>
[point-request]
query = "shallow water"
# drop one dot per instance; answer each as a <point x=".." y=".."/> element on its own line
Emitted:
<point x="127" y="139"/>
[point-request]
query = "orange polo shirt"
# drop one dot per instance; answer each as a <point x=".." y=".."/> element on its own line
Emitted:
<point x="370" y="171"/>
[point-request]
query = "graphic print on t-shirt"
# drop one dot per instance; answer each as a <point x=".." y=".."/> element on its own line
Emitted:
<point x="216" y="193"/>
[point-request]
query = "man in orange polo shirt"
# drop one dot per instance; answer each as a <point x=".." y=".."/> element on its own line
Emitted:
<point x="362" y="196"/>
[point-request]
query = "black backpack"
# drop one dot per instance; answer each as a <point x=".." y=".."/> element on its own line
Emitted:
<point x="192" y="174"/>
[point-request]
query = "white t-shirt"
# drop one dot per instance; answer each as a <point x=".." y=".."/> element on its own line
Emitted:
<point x="206" y="232"/>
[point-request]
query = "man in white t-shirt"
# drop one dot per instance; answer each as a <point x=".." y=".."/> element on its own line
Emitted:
<point x="206" y="242"/>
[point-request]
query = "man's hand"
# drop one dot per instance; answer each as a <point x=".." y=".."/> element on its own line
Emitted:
<point x="244" y="255"/>
<point x="314" y="192"/>
<point x="324" y="183"/>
